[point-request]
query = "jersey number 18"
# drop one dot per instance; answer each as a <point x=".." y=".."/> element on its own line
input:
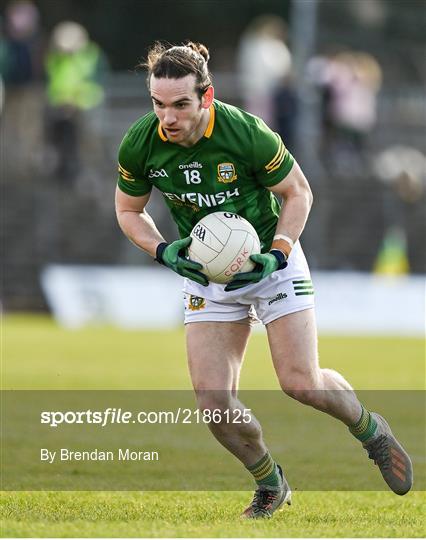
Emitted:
<point x="192" y="177"/>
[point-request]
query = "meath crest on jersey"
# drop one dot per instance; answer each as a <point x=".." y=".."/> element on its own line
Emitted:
<point x="226" y="173"/>
<point x="196" y="303"/>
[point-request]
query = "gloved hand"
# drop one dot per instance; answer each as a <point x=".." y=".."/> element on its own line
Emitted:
<point x="266" y="263"/>
<point x="174" y="257"/>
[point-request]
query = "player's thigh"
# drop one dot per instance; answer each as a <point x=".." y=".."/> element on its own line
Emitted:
<point x="294" y="348"/>
<point x="215" y="353"/>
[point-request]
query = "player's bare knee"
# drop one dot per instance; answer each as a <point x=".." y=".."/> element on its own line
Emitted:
<point x="214" y="402"/>
<point x="304" y="388"/>
<point x="314" y="398"/>
<point x="336" y="378"/>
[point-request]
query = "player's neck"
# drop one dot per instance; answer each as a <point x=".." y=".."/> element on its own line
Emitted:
<point x="199" y="131"/>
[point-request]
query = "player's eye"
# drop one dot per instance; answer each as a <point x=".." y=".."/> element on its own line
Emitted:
<point x="181" y="105"/>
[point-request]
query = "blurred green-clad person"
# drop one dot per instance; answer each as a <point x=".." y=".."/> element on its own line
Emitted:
<point x="75" y="67"/>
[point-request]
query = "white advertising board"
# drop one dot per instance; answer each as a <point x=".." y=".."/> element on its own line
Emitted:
<point x="131" y="297"/>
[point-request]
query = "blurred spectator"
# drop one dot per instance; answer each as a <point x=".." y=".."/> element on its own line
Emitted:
<point x="21" y="52"/>
<point x="402" y="170"/>
<point x="75" y="67"/>
<point x="349" y="84"/>
<point x="263" y="62"/>
<point x="285" y="112"/>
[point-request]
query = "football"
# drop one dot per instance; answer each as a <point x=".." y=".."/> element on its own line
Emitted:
<point x="223" y="242"/>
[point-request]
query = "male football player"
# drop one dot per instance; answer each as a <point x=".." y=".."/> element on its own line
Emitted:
<point x="204" y="156"/>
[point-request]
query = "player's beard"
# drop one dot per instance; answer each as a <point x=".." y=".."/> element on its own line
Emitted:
<point x="195" y="131"/>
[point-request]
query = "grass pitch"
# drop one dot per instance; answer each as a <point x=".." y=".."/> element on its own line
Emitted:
<point x="39" y="355"/>
<point x="209" y="514"/>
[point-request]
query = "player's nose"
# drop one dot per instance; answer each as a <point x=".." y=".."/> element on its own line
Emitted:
<point x="169" y="118"/>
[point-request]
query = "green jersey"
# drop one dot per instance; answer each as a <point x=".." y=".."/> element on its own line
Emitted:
<point x="228" y="169"/>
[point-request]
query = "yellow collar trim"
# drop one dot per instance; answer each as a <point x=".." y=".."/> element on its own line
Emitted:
<point x="207" y="133"/>
<point x="210" y="125"/>
<point x="160" y="132"/>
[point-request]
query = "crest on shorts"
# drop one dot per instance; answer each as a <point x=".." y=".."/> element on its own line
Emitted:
<point x="226" y="173"/>
<point x="196" y="303"/>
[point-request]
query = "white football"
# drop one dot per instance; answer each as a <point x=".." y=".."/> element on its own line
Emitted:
<point x="223" y="242"/>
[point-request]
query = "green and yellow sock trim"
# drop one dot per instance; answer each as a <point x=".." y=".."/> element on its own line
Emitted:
<point x="265" y="471"/>
<point x="365" y="427"/>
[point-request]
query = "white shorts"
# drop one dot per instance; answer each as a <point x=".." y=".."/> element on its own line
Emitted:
<point x="283" y="292"/>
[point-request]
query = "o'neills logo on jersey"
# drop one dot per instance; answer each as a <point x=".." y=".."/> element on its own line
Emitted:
<point x="226" y="173"/>
<point x="203" y="199"/>
<point x="193" y="165"/>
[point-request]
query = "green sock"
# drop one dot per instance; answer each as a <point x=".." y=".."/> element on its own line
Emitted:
<point x="266" y="472"/>
<point x="365" y="427"/>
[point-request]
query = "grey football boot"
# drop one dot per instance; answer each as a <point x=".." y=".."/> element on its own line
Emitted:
<point x="393" y="461"/>
<point x="268" y="499"/>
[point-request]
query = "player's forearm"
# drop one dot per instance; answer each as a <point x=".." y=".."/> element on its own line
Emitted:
<point x="297" y="202"/>
<point x="294" y="214"/>
<point x="292" y="220"/>
<point x="141" y="230"/>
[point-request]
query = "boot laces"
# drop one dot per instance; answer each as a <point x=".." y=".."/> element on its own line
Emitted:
<point x="263" y="500"/>
<point x="378" y="450"/>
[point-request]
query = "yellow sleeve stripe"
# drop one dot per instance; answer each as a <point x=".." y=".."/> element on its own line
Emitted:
<point x="274" y="168"/>
<point x="125" y="174"/>
<point x="277" y="160"/>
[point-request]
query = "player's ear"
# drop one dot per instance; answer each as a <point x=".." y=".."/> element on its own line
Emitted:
<point x="207" y="97"/>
